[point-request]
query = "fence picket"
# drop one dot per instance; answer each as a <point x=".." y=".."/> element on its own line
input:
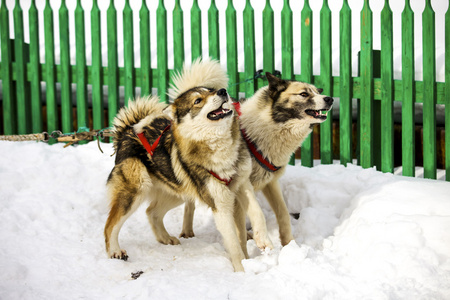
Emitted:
<point x="23" y="99"/>
<point x="307" y="73"/>
<point x="387" y="91"/>
<point x="232" y="58"/>
<point x="429" y="89"/>
<point x="268" y="41"/>
<point x="9" y="102"/>
<point x="447" y="94"/>
<point x="146" y="67"/>
<point x="213" y="31"/>
<point x="81" y="82"/>
<point x="163" y="71"/>
<point x="408" y="97"/>
<point x="66" y="76"/>
<point x="249" y="48"/>
<point x="35" y="70"/>
<point x="345" y="87"/>
<point x="366" y="102"/>
<point x="113" y="67"/>
<point x="128" y="52"/>
<point x="326" y="128"/>
<point x="50" y="74"/>
<point x="196" y="31"/>
<point x="98" y="121"/>
<point x="178" y="36"/>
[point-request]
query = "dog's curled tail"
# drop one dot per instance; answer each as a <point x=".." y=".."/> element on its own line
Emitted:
<point x="135" y="112"/>
<point x="207" y="73"/>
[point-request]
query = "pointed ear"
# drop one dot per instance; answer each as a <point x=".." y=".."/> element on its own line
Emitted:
<point x="275" y="83"/>
<point x="168" y="111"/>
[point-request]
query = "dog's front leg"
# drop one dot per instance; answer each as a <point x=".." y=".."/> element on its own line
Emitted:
<point x="274" y="196"/>
<point x="187" y="231"/>
<point x="256" y="216"/>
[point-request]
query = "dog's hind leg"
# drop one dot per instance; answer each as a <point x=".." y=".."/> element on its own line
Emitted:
<point x="256" y="216"/>
<point x="239" y="220"/>
<point x="274" y="196"/>
<point x="187" y="231"/>
<point x="125" y="189"/>
<point x="162" y="202"/>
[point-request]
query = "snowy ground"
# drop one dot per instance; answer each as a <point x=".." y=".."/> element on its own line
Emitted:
<point x="361" y="234"/>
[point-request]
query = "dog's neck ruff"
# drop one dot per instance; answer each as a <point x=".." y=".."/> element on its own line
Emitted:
<point x="151" y="149"/>
<point x="267" y="165"/>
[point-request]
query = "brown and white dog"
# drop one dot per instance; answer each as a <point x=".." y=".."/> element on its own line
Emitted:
<point x="191" y="149"/>
<point x="275" y="121"/>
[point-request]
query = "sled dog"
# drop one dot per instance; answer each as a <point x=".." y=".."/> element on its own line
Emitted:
<point x="274" y="122"/>
<point x="171" y="154"/>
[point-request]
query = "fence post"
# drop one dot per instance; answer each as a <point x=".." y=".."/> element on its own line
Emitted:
<point x="213" y="31"/>
<point x="307" y="73"/>
<point x="35" y="71"/>
<point x="409" y="93"/>
<point x="345" y="87"/>
<point x="429" y="92"/>
<point x="196" y="31"/>
<point x="97" y="71"/>
<point x="232" y="58"/>
<point x="249" y="48"/>
<point x="66" y="74"/>
<point x="268" y="40"/>
<point x="81" y="71"/>
<point x="163" y="72"/>
<point x="326" y="128"/>
<point x="128" y="52"/>
<point x="113" y="69"/>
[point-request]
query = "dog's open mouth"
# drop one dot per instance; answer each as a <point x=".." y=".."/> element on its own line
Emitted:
<point x="318" y="114"/>
<point x="219" y="113"/>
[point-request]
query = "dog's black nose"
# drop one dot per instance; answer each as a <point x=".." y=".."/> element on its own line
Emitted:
<point x="328" y="100"/>
<point x="222" y="92"/>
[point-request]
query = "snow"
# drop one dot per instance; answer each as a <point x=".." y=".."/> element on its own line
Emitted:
<point x="362" y="234"/>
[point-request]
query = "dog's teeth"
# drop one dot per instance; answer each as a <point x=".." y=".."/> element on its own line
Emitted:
<point x="226" y="105"/>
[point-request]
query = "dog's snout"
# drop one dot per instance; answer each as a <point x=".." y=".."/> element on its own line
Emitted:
<point x="222" y="92"/>
<point x="328" y="100"/>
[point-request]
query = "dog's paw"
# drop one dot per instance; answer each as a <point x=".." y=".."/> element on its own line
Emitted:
<point x="262" y="241"/>
<point x="121" y="254"/>
<point x="170" y="240"/>
<point x="187" y="234"/>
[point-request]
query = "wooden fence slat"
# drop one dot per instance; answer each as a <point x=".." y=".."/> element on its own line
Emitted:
<point x="146" y="67"/>
<point x="213" y="31"/>
<point x="408" y="97"/>
<point x="81" y="71"/>
<point x="429" y="89"/>
<point x="35" y="71"/>
<point x="65" y="79"/>
<point x="163" y="71"/>
<point x="366" y="110"/>
<point x="268" y="41"/>
<point x="113" y="65"/>
<point x="249" y="49"/>
<point x="98" y="121"/>
<point x="345" y="87"/>
<point x="326" y="128"/>
<point x="447" y="95"/>
<point x="50" y="72"/>
<point x="387" y="92"/>
<point x="23" y="99"/>
<point x="178" y="36"/>
<point x="9" y="102"/>
<point x="232" y="59"/>
<point x="196" y="31"/>
<point x="128" y="52"/>
<point x="307" y="72"/>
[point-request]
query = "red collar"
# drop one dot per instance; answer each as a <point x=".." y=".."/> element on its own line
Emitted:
<point x="151" y="149"/>
<point x="267" y="165"/>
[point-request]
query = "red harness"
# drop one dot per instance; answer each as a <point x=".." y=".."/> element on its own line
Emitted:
<point x="252" y="147"/>
<point x="151" y="149"/>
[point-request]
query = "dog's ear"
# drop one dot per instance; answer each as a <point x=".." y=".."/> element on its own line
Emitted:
<point x="275" y="84"/>
<point x="169" y="112"/>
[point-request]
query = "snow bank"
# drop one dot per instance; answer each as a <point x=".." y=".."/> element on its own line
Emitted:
<point x="361" y="234"/>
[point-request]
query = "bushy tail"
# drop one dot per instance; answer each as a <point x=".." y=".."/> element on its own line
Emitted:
<point x="206" y="73"/>
<point x="136" y="110"/>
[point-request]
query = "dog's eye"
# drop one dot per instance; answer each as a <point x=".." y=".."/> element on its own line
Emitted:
<point x="304" y="94"/>
<point x="198" y="100"/>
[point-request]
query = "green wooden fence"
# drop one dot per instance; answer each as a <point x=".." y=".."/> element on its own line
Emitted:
<point x="21" y="72"/>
